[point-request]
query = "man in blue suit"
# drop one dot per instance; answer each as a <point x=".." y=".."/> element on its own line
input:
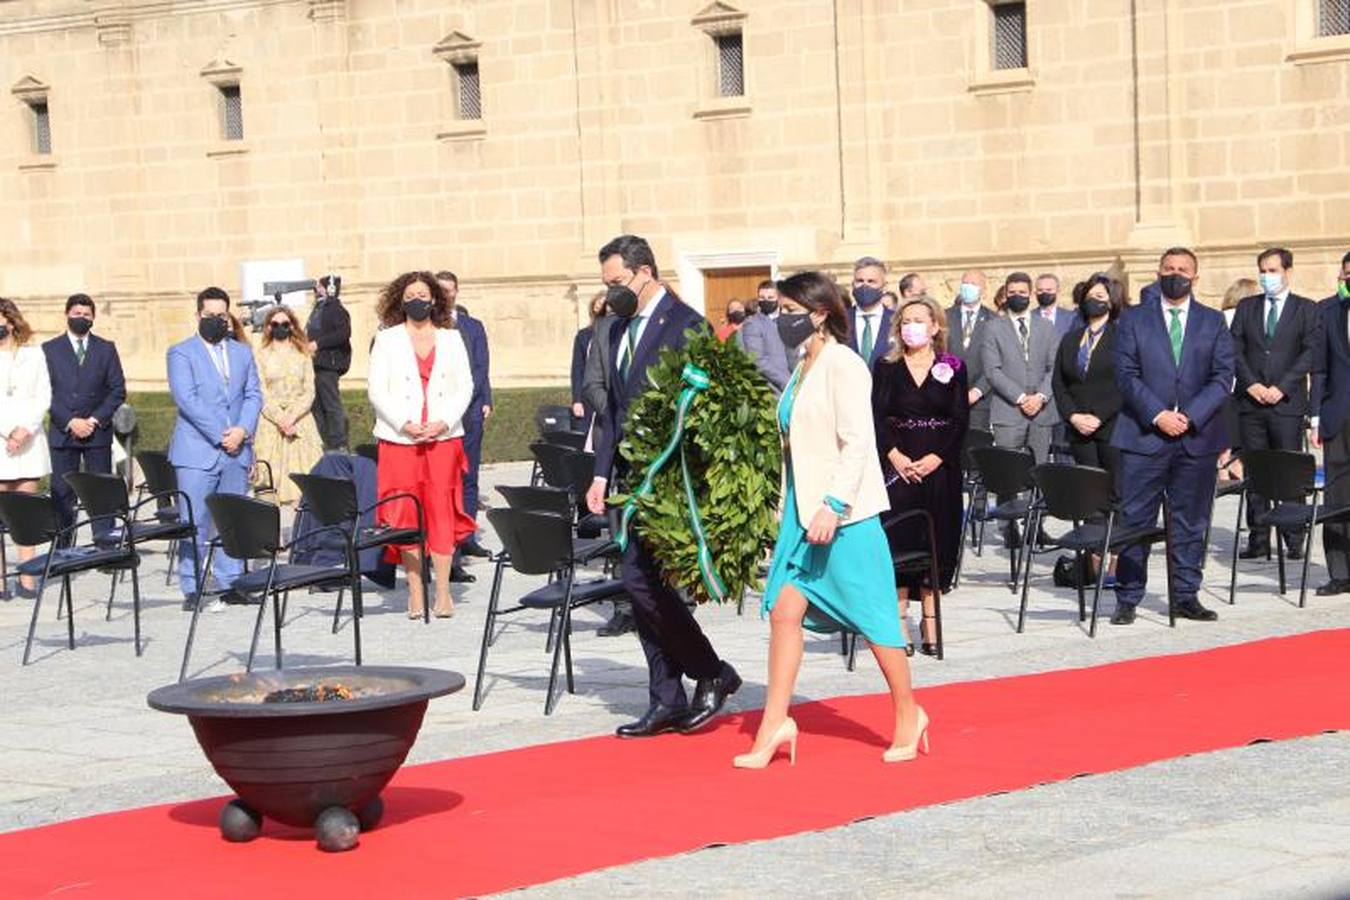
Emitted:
<point x="475" y="417"/>
<point x="648" y="319"/>
<point x="1330" y="402"/>
<point x="870" y="336"/>
<point x="214" y="384"/>
<point x="87" y="388"/>
<point x="1174" y="369"/>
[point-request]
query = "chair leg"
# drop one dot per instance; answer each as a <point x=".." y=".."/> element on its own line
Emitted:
<point x="1237" y="539"/>
<point x="172" y="555"/>
<point x="1078" y="582"/>
<point x="487" y="634"/>
<point x="552" y="627"/>
<point x="852" y="640"/>
<point x="257" y="630"/>
<point x="356" y="614"/>
<point x="32" y="624"/>
<point x="1279" y="556"/>
<point x="70" y="612"/>
<point x="136" y="607"/>
<point x="549" y="700"/>
<point x="426" y="585"/>
<point x="112" y="592"/>
<point x="196" y="611"/>
<point x="1026" y="581"/>
<point x="496" y="587"/>
<point x="337" y="609"/>
<point x="1307" y="553"/>
<point x="276" y="627"/>
<point x="937" y="621"/>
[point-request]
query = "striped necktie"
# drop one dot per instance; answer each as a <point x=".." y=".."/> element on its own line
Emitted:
<point x="629" y="348"/>
<point x="79" y="351"/>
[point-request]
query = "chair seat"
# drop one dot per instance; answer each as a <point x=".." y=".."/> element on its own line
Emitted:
<point x="379" y="535"/>
<point x="1016" y="508"/>
<point x="1285" y="515"/>
<point x="69" y="560"/>
<point x="165" y="530"/>
<point x="1333" y="514"/>
<point x="592" y="526"/>
<point x="1088" y="536"/>
<point x="551" y="595"/>
<point x="586" y="549"/>
<point x="290" y="576"/>
<point x="906" y="560"/>
<point x="1229" y="488"/>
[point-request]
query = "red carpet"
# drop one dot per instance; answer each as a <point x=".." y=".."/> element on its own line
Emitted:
<point x="504" y="820"/>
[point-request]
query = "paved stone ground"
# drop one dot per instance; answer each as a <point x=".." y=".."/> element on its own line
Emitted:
<point x="1267" y="820"/>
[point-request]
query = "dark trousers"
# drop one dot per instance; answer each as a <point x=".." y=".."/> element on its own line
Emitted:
<point x="68" y="459"/>
<point x="979" y="414"/>
<point x="1264" y="430"/>
<point x="673" y="643"/>
<point x="1098" y="452"/>
<point x="329" y="415"/>
<point x="473" y="449"/>
<point x="1188" y="484"/>
<point x="1336" y="536"/>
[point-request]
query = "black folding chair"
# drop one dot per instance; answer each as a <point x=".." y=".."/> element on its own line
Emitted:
<point x="975" y="494"/>
<point x="1288" y="480"/>
<point x="1082" y="495"/>
<point x="552" y="417"/>
<point x="573" y="440"/>
<point x="1222" y="488"/>
<point x="1005" y="473"/>
<point x="904" y="562"/>
<point x="4" y="564"/>
<point x="32" y="521"/>
<point x="172" y="507"/>
<point x="332" y="501"/>
<point x="248" y="528"/>
<point x="537" y="543"/>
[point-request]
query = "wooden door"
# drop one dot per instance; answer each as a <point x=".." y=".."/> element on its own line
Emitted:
<point x="721" y="286"/>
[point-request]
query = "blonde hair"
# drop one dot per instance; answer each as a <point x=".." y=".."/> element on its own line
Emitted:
<point x="297" y="338"/>
<point x="934" y="312"/>
<point x="1243" y="287"/>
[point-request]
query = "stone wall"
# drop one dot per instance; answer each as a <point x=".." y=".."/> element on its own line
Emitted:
<point x="868" y="126"/>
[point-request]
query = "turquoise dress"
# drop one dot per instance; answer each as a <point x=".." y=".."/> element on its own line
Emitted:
<point x="849" y="583"/>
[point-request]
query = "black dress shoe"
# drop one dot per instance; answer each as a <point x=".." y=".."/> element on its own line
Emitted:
<point x="709" y="697"/>
<point x="1294" y="553"/>
<point x="657" y="720"/>
<point x="459" y="576"/>
<point x="1012" y="537"/>
<point x="1333" y="587"/>
<point x="238" y="598"/>
<point x="1254" y="551"/>
<point x="928" y="649"/>
<point x="620" y="623"/>
<point x="473" y="548"/>
<point x="1124" y="614"/>
<point x="1191" y="609"/>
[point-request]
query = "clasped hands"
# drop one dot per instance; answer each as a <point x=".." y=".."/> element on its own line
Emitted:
<point x="1031" y="405"/>
<point x="1172" y="423"/>
<point x="17" y="438"/>
<point x="1265" y="394"/>
<point x="232" y="439"/>
<point x="1085" y="423"/>
<point x="425" y="432"/>
<point x="912" y="471"/>
<point x="81" y="428"/>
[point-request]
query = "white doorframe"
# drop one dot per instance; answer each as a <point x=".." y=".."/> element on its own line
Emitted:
<point x="691" y="266"/>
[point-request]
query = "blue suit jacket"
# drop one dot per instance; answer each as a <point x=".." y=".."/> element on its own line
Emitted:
<point x="1331" y="387"/>
<point x="669" y="321"/>
<point x="476" y="343"/>
<point x="207" y="408"/>
<point x="881" y="341"/>
<point x="95" y="389"/>
<point x="1150" y="381"/>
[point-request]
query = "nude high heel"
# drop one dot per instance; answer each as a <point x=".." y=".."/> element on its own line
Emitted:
<point x="910" y="750"/>
<point x="786" y="733"/>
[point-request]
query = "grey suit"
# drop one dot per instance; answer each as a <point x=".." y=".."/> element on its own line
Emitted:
<point x="1012" y="375"/>
<point x="759" y="337"/>
<point x="969" y="353"/>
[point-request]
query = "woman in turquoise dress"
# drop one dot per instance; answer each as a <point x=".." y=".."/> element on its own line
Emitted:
<point x="831" y="566"/>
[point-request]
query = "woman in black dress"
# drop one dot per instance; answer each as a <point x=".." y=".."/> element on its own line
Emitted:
<point x="919" y="405"/>
<point x="1085" y="376"/>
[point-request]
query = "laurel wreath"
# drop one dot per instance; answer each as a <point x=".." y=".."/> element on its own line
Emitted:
<point x="732" y="450"/>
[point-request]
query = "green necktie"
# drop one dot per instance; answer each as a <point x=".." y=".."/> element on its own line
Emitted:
<point x="868" y="340"/>
<point x="79" y="351"/>
<point x="630" y="347"/>
<point x="1272" y="318"/>
<point x="1174" y="332"/>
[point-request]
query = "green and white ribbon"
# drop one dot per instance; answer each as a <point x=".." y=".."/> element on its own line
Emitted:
<point x="696" y="381"/>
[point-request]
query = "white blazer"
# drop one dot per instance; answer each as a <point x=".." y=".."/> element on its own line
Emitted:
<point x="395" y="388"/>
<point x="833" y="444"/>
<point x="25" y="396"/>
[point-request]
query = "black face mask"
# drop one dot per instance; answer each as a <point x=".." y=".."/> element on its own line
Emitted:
<point x="1017" y="303"/>
<point x="866" y="296"/>
<point x="736" y="316"/>
<point x="1174" y="286"/>
<point x="1093" y="307"/>
<point x="768" y="307"/>
<point x="281" y="332"/>
<point x="213" y="329"/>
<point x="79" y="327"/>
<point x="622" y="300"/>
<point x="1045" y="298"/>
<point x="4" y="332"/>
<point x="794" y="328"/>
<point x="417" y="310"/>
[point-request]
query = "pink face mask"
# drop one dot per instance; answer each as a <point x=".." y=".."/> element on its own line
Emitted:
<point x="915" y="334"/>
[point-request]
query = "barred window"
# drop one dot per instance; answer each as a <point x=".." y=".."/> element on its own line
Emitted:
<point x="1333" y="18"/>
<point x="730" y="65"/>
<point x="1009" y="36"/>
<point x="469" y="91"/>
<point x="42" y="127"/>
<point x="231" y="113"/>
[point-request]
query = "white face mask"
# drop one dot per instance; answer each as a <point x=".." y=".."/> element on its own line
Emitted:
<point x="915" y="335"/>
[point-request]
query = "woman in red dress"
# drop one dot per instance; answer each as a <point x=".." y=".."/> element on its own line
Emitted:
<point x="419" y="387"/>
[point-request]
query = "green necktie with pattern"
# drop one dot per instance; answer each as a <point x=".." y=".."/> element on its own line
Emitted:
<point x="1174" y="332"/>
<point x="79" y="351"/>
<point x="1272" y="318"/>
<point x="629" y="348"/>
<point x="868" y="341"/>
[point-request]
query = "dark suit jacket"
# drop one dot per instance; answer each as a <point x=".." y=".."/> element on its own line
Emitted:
<point x="1150" y="291"/>
<point x="970" y="353"/>
<point x="476" y="343"/>
<point x="330" y="327"/>
<point x="1331" y="387"/>
<point x="1093" y="393"/>
<point x="669" y="321"/>
<point x="1150" y="380"/>
<point x="1286" y="362"/>
<point x="95" y="389"/>
<point x="881" y="341"/>
<point x="581" y="345"/>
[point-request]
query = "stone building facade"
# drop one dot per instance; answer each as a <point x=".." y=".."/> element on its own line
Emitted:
<point x="149" y="149"/>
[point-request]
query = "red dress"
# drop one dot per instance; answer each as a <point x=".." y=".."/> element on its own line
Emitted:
<point x="433" y="472"/>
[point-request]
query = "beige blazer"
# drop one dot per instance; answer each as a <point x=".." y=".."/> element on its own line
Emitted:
<point x="833" y="445"/>
<point x="395" y="388"/>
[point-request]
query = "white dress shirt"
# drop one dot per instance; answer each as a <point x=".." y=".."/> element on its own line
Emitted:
<point x="860" y="321"/>
<point x="1185" y="308"/>
<point x="220" y="356"/>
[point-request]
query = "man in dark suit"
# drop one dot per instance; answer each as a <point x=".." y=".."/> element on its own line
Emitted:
<point x="759" y="337"/>
<point x="475" y="417"/>
<point x="1048" y="308"/>
<point x="1278" y="345"/>
<point x="967" y="324"/>
<point x="1331" y="427"/>
<point x="329" y="329"/>
<point x="650" y="319"/>
<point x="87" y="388"/>
<point x="1174" y="369"/>
<point x="870" y="335"/>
